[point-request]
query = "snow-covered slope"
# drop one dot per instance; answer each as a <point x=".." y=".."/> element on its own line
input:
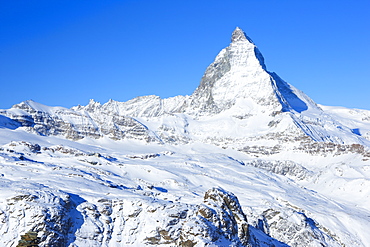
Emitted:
<point x="246" y="160"/>
<point x="357" y="120"/>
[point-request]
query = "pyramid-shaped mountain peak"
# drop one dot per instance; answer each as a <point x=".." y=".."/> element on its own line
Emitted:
<point x="237" y="72"/>
<point x="239" y="35"/>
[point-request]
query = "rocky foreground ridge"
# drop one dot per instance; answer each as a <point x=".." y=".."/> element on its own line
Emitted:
<point x="246" y="160"/>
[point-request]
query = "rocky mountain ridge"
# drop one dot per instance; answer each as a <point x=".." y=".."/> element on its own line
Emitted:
<point x="236" y="86"/>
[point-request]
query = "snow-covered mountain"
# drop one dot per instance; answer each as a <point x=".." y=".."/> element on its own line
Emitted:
<point x="246" y="160"/>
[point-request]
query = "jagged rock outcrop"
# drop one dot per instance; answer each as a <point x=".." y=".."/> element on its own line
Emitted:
<point x="46" y="213"/>
<point x="296" y="229"/>
<point x="59" y="219"/>
<point x="74" y="125"/>
<point x="230" y="218"/>
<point x="282" y="167"/>
<point x="29" y="239"/>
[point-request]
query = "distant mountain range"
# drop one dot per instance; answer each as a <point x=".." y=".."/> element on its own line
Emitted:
<point x="246" y="160"/>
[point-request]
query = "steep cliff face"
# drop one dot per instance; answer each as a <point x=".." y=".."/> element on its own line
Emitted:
<point x="238" y="72"/>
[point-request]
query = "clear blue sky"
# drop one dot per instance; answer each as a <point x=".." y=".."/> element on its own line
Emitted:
<point x="65" y="52"/>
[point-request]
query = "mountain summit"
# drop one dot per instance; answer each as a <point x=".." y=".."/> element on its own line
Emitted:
<point x="239" y="35"/>
<point x="237" y="72"/>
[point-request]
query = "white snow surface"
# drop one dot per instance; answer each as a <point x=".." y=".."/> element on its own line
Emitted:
<point x="335" y="194"/>
<point x="113" y="174"/>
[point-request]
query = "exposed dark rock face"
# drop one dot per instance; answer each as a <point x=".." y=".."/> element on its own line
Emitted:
<point x="282" y="167"/>
<point x="296" y="229"/>
<point x="42" y="212"/>
<point x="230" y="219"/>
<point x="29" y="239"/>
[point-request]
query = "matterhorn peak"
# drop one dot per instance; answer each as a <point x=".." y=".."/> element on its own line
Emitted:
<point x="239" y="35"/>
<point x="238" y="71"/>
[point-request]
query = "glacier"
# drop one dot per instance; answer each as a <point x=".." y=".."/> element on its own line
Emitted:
<point x="246" y="160"/>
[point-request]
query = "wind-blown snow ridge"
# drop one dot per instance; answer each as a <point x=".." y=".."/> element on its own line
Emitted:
<point x="246" y="160"/>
